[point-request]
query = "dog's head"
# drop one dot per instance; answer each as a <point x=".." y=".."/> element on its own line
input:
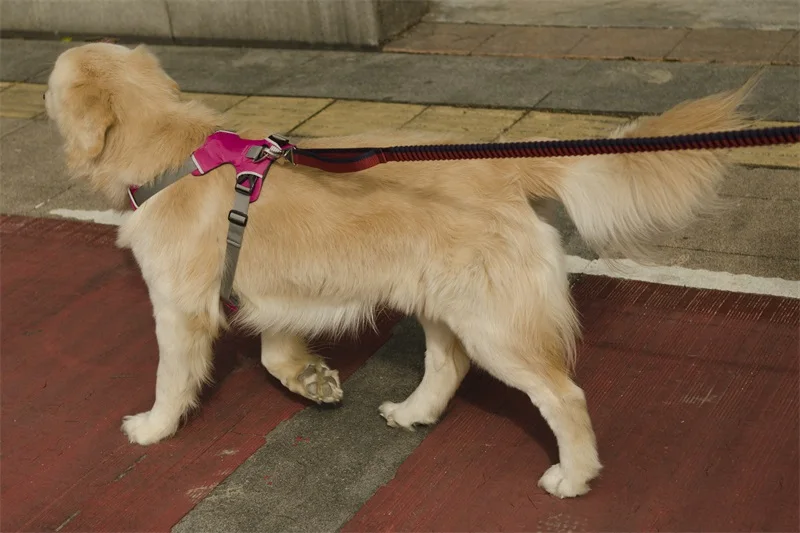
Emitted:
<point x="99" y="93"/>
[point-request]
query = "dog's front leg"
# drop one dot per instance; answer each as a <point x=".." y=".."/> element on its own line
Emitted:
<point x="184" y="343"/>
<point x="287" y="358"/>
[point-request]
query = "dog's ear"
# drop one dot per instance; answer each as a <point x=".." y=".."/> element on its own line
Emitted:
<point x="90" y="116"/>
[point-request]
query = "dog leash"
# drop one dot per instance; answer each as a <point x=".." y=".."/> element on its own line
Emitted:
<point x="340" y="160"/>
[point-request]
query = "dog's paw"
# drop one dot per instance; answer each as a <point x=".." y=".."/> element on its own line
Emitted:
<point x="146" y="429"/>
<point x="558" y="484"/>
<point x="320" y="383"/>
<point x="399" y="415"/>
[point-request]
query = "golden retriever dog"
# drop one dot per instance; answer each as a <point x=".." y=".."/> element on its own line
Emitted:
<point x="454" y="243"/>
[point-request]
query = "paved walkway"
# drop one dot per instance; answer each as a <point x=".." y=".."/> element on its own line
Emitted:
<point x="741" y="14"/>
<point x="692" y="382"/>
<point x="714" y="45"/>
<point x="693" y="394"/>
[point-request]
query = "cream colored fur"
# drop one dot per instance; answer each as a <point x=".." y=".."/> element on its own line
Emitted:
<point x="454" y="243"/>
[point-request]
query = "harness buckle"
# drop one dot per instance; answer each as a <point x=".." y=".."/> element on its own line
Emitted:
<point x="278" y="138"/>
<point x="288" y="154"/>
<point x="238" y="218"/>
<point x="273" y="149"/>
<point x="256" y="153"/>
<point x="245" y="184"/>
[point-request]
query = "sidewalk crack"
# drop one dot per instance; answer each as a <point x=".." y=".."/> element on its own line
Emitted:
<point x="169" y="21"/>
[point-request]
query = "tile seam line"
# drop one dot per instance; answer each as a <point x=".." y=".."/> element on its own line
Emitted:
<point x="583" y="38"/>
<point x="34" y="76"/>
<point x="535" y="106"/>
<point x="326" y="106"/>
<point x="43" y="204"/>
<point x="240" y="101"/>
<point x="409" y="121"/>
<point x="15" y="130"/>
<point x="543" y="98"/>
<point x="508" y="128"/>
<point x="169" y="21"/>
<point x="796" y="33"/>
<point x="484" y="41"/>
<point x="669" y="52"/>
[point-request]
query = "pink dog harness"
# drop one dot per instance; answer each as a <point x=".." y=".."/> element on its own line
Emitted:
<point x="252" y="159"/>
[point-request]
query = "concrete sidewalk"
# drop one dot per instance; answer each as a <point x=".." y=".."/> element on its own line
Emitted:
<point x="685" y="45"/>
<point x="741" y="14"/>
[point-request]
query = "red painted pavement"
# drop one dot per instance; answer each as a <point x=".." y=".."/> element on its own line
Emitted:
<point x="79" y="352"/>
<point x="694" y="397"/>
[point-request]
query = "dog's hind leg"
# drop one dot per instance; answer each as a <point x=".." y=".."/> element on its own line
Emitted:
<point x="540" y="372"/>
<point x="445" y="368"/>
<point x="184" y="344"/>
<point x="288" y="359"/>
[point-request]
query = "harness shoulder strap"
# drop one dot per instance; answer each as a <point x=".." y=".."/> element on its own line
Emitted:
<point x="140" y="195"/>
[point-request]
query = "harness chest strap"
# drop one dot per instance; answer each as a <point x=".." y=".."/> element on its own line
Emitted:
<point x="252" y="160"/>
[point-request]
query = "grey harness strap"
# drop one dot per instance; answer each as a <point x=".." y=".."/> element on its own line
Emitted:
<point x="145" y="192"/>
<point x="237" y="221"/>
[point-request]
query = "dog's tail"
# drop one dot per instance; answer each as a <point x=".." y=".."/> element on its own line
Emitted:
<point x="620" y="203"/>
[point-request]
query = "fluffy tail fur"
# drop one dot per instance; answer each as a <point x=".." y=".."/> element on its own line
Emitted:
<point x="621" y="203"/>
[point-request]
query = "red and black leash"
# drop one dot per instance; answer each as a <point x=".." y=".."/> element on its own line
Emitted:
<point x="355" y="159"/>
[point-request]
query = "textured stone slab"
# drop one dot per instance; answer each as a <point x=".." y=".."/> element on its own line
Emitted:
<point x="642" y="87"/>
<point x="725" y="45"/>
<point x="457" y="39"/>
